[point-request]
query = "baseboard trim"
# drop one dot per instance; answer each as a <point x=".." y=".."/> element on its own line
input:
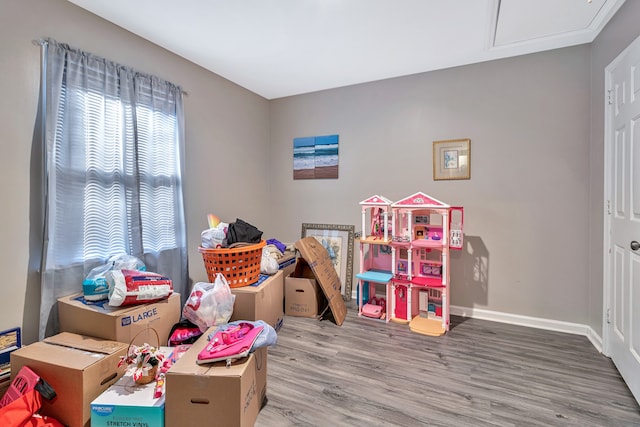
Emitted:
<point x="531" y="322"/>
<point x="595" y="339"/>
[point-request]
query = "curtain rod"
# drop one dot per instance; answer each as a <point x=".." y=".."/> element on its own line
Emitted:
<point x="42" y="42"/>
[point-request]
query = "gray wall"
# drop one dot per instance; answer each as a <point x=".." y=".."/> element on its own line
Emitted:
<point x="533" y="205"/>
<point x="226" y="131"/>
<point x="526" y="202"/>
<point x="616" y="36"/>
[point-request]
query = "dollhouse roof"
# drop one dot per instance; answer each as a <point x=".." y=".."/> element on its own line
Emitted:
<point x="377" y="201"/>
<point x="419" y="200"/>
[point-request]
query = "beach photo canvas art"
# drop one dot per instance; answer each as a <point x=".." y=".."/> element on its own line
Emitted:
<point x="315" y="157"/>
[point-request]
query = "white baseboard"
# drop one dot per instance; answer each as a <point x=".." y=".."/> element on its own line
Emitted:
<point x="532" y="322"/>
<point x="595" y="339"/>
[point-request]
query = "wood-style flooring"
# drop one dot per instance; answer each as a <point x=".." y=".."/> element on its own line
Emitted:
<point x="481" y="373"/>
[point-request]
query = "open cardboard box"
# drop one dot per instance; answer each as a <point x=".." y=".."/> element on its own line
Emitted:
<point x="303" y="297"/>
<point x="315" y="257"/>
<point x="79" y="368"/>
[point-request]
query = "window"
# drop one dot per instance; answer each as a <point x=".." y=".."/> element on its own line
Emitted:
<point x="124" y="184"/>
<point x="113" y="165"/>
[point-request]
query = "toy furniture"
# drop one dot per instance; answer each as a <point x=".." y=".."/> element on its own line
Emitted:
<point x="375" y="253"/>
<point x="406" y="255"/>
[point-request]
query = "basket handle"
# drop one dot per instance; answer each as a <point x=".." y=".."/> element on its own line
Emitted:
<point x="141" y="331"/>
<point x="241" y="245"/>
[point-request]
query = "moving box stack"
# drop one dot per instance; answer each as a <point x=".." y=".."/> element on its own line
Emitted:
<point x="81" y="363"/>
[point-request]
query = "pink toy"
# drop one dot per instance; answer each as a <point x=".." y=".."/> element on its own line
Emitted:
<point x="374" y="308"/>
<point x="419" y="231"/>
<point x="230" y="344"/>
<point x="378" y="209"/>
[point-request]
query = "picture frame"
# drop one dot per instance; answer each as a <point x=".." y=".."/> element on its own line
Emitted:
<point x="338" y="240"/>
<point x="421" y="219"/>
<point x="402" y="267"/>
<point x="430" y="269"/>
<point x="452" y="159"/>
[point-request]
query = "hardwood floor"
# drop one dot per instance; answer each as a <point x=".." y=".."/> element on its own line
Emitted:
<point x="481" y="373"/>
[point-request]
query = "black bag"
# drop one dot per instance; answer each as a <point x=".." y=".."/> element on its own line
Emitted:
<point x="241" y="231"/>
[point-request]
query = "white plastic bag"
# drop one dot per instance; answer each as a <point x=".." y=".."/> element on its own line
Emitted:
<point x="268" y="265"/>
<point x="269" y="262"/>
<point x="209" y="304"/>
<point x="95" y="286"/>
<point x="215" y="237"/>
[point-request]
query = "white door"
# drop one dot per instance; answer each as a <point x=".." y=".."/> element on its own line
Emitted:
<point x="622" y="222"/>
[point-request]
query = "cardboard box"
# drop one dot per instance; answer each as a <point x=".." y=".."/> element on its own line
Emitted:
<point x="314" y="257"/>
<point x="120" y="323"/>
<point x="263" y="301"/>
<point x="126" y="403"/>
<point x="79" y="368"/>
<point x="213" y="394"/>
<point x="287" y="263"/>
<point x="302" y="297"/>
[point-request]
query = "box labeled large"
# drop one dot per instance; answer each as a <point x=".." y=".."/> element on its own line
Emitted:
<point x="263" y="301"/>
<point x="302" y="297"/>
<point x="120" y="323"/>
<point x="126" y="403"/>
<point x="214" y="394"/>
<point x="79" y="368"/>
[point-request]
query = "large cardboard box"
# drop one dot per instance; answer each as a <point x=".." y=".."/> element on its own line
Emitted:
<point x="214" y="394"/>
<point x="302" y="297"/>
<point x="126" y="403"/>
<point x="263" y="301"/>
<point x="120" y="323"/>
<point x="79" y="368"/>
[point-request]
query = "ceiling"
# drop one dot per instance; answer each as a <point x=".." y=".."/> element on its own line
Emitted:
<point x="278" y="48"/>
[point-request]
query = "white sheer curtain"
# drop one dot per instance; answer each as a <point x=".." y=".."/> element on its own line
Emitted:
<point x="114" y="143"/>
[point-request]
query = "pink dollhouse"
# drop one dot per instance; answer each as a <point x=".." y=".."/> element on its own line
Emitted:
<point x="406" y="255"/>
<point x="375" y="256"/>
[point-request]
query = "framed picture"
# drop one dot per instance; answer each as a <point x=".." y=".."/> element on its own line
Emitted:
<point x="315" y="157"/>
<point x="452" y="159"/>
<point x="402" y="267"/>
<point x="421" y="219"/>
<point x="338" y="241"/>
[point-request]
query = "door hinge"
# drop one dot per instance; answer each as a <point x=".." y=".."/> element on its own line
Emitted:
<point x="609" y="97"/>
<point x="609" y="207"/>
<point x="608" y="315"/>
